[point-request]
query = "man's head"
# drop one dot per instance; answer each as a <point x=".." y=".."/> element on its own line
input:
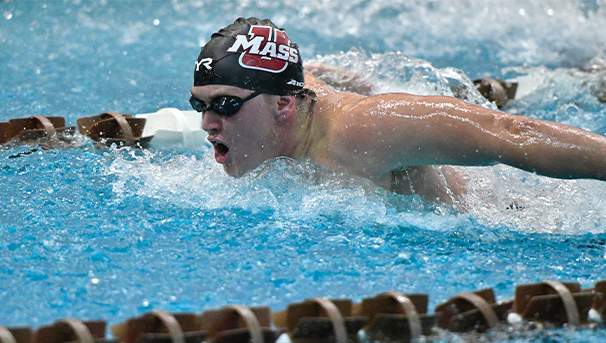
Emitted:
<point x="251" y="54"/>
<point x="245" y="83"/>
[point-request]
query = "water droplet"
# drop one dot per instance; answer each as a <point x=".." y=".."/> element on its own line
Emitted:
<point x="156" y="22"/>
<point x="8" y="15"/>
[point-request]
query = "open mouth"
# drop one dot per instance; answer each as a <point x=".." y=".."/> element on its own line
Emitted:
<point x="221" y="151"/>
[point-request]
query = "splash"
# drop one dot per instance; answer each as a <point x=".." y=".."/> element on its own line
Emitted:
<point x="502" y="195"/>
<point x="286" y="190"/>
<point x="571" y="96"/>
<point x="397" y="72"/>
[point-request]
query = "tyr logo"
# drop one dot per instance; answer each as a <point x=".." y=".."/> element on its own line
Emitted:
<point x="206" y="62"/>
<point x="267" y="49"/>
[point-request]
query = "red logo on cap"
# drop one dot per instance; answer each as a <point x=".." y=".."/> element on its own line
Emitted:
<point x="265" y="48"/>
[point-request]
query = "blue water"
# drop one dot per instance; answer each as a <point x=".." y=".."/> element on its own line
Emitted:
<point x="111" y="234"/>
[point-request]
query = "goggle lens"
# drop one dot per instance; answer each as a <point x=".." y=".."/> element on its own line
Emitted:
<point x="225" y="105"/>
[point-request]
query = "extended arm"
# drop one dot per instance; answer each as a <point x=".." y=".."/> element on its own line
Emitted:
<point x="385" y="132"/>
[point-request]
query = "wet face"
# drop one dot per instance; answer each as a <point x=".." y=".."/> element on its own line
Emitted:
<point x="245" y="139"/>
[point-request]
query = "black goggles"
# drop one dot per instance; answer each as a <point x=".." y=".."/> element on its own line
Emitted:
<point x="224" y="105"/>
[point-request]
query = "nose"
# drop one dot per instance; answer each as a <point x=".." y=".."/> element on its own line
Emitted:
<point x="211" y="122"/>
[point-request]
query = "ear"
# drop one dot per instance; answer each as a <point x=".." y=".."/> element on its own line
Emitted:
<point x="287" y="106"/>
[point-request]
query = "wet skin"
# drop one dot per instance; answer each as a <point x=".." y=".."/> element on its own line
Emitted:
<point x="392" y="139"/>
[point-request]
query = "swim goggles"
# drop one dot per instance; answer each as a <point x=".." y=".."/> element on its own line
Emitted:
<point x="225" y="105"/>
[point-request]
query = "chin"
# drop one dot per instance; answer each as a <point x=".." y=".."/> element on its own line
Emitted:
<point x="239" y="170"/>
<point x="234" y="171"/>
<point x="230" y="171"/>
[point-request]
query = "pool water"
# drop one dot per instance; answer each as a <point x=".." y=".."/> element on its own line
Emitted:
<point x="111" y="234"/>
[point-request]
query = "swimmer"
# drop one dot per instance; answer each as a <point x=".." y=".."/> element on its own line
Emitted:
<point x="259" y="104"/>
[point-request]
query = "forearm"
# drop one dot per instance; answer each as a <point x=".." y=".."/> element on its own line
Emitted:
<point x="389" y="131"/>
<point x="554" y="150"/>
<point x="544" y="147"/>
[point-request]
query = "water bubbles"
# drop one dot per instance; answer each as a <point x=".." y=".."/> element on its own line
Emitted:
<point x="532" y="203"/>
<point x="8" y="15"/>
<point x="396" y="72"/>
<point x="156" y="22"/>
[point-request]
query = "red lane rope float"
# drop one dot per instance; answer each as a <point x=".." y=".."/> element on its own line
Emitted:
<point x="472" y="311"/>
<point x="6" y="336"/>
<point x="570" y="306"/>
<point x="251" y="322"/>
<point x="338" y="324"/>
<point x="171" y="324"/>
<point x="127" y="131"/>
<point x="79" y="329"/>
<point x="409" y="309"/>
<point x="315" y="318"/>
<point x="48" y="126"/>
<point x="554" y="302"/>
<point x="402" y="318"/>
<point x="487" y="312"/>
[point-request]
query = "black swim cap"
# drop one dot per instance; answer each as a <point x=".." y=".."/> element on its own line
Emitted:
<point x="253" y="54"/>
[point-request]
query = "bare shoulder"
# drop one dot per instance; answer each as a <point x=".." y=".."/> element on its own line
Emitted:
<point x="340" y="78"/>
<point x="373" y="135"/>
<point x="331" y="104"/>
<point x="317" y="85"/>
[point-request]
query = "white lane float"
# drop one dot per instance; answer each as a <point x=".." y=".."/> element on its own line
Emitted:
<point x="173" y="128"/>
